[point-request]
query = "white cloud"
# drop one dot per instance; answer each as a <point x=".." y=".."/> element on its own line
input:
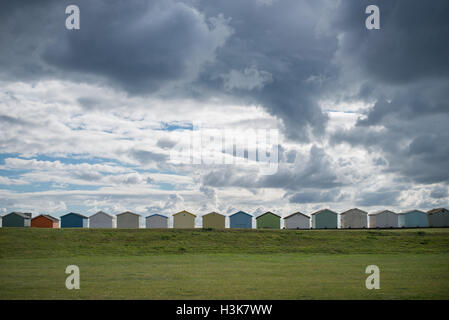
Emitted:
<point x="9" y="181"/>
<point x="48" y="119"/>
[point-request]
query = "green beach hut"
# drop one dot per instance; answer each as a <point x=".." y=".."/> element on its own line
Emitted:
<point x="17" y="219"/>
<point x="325" y="219"/>
<point x="268" y="220"/>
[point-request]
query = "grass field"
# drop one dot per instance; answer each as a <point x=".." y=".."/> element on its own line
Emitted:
<point x="228" y="264"/>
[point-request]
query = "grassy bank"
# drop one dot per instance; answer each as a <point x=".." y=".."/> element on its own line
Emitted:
<point x="40" y="243"/>
<point x="229" y="264"/>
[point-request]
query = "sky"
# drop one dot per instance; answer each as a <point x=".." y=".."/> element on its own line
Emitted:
<point x="90" y="118"/>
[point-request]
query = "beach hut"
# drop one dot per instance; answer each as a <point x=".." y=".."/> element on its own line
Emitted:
<point x="156" y="221"/>
<point x="438" y="217"/>
<point x="184" y="220"/>
<point x="241" y="220"/>
<point x="129" y="220"/>
<point x="268" y="220"/>
<point x="354" y="219"/>
<point x="383" y="219"/>
<point x="102" y="220"/>
<point x="413" y="219"/>
<point x="214" y="220"/>
<point x="17" y="219"/>
<point x="44" y="221"/>
<point x="74" y="220"/>
<point x="297" y="220"/>
<point x="325" y="219"/>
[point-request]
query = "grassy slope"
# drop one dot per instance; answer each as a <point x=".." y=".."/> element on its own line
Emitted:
<point x="199" y="264"/>
<point x="38" y="243"/>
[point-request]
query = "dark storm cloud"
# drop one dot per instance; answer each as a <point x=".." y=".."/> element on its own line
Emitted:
<point x="417" y="150"/>
<point x="229" y="177"/>
<point x="403" y="68"/>
<point x="315" y="196"/>
<point x="290" y="49"/>
<point x="25" y="29"/>
<point x="142" y="45"/>
<point x="315" y="171"/>
<point x="414" y="136"/>
<point x="439" y="192"/>
<point x="378" y="198"/>
<point x="410" y="44"/>
<point x="235" y="49"/>
<point x="284" y="55"/>
<point x="139" y="45"/>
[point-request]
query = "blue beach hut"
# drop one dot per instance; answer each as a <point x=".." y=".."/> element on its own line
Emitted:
<point x="74" y="220"/>
<point x="413" y="219"/>
<point x="241" y="220"/>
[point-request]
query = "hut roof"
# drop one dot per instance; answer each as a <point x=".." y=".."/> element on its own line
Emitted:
<point x="268" y="212"/>
<point x="295" y="213"/>
<point x="102" y="212"/>
<point x="156" y="214"/>
<point x="213" y="212"/>
<point x="48" y="217"/>
<point x="77" y="214"/>
<point x="322" y="210"/>
<point x="128" y="212"/>
<point x="381" y="211"/>
<point x="184" y="211"/>
<point x="410" y="211"/>
<point x="25" y="215"/>
<point x="239" y="212"/>
<point x="437" y="210"/>
<point x="354" y="209"/>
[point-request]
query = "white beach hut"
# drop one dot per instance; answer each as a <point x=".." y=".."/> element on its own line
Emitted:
<point x="129" y="220"/>
<point x="383" y="219"/>
<point x="156" y="221"/>
<point x="297" y="220"/>
<point x="102" y="220"/>
<point x="354" y="219"/>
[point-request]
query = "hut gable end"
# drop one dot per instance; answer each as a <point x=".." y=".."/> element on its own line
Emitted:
<point x="438" y="218"/>
<point x="129" y="220"/>
<point x="184" y="220"/>
<point x="214" y="220"/>
<point x="240" y="220"/>
<point x="297" y="220"/>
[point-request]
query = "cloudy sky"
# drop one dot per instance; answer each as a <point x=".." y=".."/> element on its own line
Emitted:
<point x="89" y="118"/>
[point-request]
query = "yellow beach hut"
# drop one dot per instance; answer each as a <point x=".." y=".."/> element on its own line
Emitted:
<point x="184" y="220"/>
<point x="214" y="220"/>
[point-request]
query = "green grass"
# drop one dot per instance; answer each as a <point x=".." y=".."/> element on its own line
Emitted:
<point x="229" y="264"/>
<point x="37" y="243"/>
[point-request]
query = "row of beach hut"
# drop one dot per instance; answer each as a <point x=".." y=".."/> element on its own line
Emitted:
<point x="323" y="219"/>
